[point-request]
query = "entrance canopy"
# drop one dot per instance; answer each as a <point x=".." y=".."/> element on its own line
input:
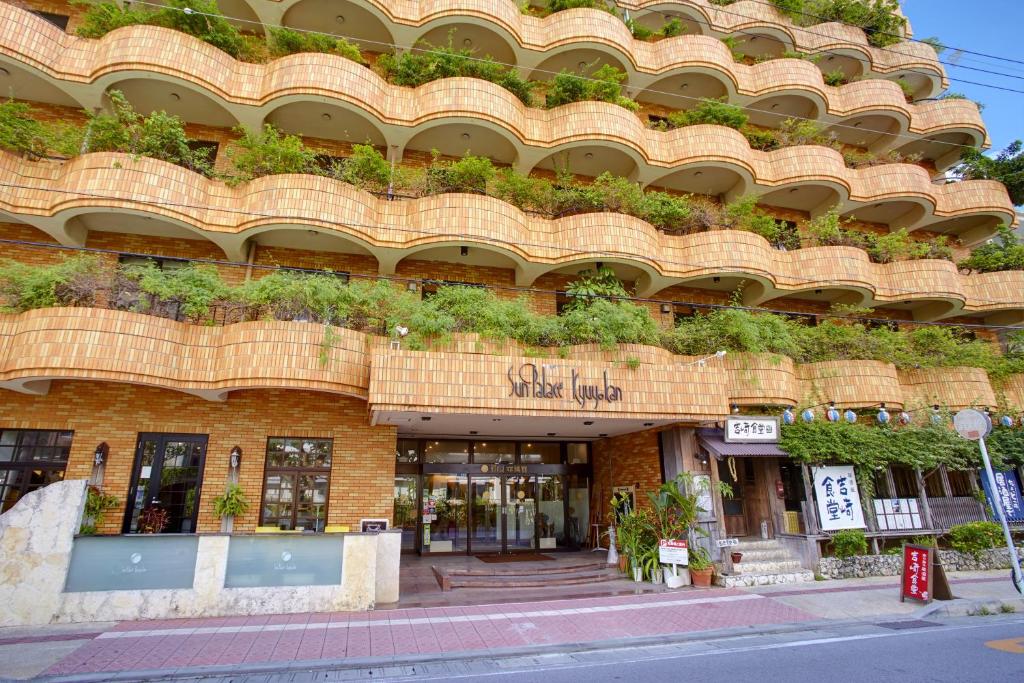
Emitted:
<point x="713" y="441"/>
<point x="441" y="393"/>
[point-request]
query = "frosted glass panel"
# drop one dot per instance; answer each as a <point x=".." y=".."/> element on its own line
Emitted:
<point x="284" y="560"/>
<point x="108" y="563"/>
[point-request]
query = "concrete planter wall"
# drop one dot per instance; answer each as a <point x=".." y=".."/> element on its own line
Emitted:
<point x="889" y="565"/>
<point x="39" y="582"/>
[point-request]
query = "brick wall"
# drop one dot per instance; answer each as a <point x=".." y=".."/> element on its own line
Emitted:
<point x="634" y="459"/>
<point x="363" y="460"/>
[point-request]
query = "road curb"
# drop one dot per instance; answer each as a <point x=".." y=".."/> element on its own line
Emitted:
<point x="310" y="666"/>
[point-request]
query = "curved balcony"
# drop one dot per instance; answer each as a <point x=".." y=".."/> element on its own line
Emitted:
<point x="94" y="344"/>
<point x="154" y="197"/>
<point x="117" y="346"/>
<point x="214" y="89"/>
<point x="500" y="29"/>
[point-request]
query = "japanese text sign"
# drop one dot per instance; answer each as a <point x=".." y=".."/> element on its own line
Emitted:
<point x="917" y="573"/>
<point x="1007" y="493"/>
<point x="835" y="488"/>
<point x="672" y="551"/>
<point x="739" y="429"/>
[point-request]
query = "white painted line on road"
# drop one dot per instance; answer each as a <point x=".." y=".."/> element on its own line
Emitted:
<point x="717" y="652"/>
<point x="420" y="621"/>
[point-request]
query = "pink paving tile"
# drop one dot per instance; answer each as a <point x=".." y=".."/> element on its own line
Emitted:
<point x="381" y="644"/>
<point x="340" y="617"/>
<point x="186" y="650"/>
<point x="358" y="641"/>
<point x="263" y="644"/>
<point x="467" y="636"/>
<point x="287" y="646"/>
<point x="426" y="641"/>
<point x="300" y="618"/>
<point x="319" y="618"/>
<point x="279" y="618"/>
<point x="257" y="620"/>
<point x="404" y="639"/>
<point x="335" y="643"/>
<point x="312" y="644"/>
<point x="213" y="649"/>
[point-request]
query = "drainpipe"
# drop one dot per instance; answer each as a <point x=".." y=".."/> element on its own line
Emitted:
<point x="249" y="260"/>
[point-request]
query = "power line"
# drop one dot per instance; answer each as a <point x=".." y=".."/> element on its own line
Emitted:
<point x="504" y="244"/>
<point x="883" y="49"/>
<point x="414" y="48"/>
<point x="881" y="33"/>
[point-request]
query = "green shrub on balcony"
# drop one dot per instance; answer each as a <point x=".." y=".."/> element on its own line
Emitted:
<point x="1007" y="167"/>
<point x="710" y="111"/>
<point x="285" y="41"/>
<point x="879" y="19"/>
<point x="205" y="21"/>
<point x="603" y="85"/>
<point x="427" y="62"/>
<point x="20" y="132"/>
<point x="76" y="281"/>
<point x="267" y="152"/>
<point x="552" y="6"/>
<point x="1004" y="252"/>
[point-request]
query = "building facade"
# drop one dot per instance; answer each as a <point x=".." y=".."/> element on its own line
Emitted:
<point x="471" y="443"/>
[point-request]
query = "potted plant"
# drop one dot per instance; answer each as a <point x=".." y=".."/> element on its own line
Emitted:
<point x="736" y="557"/>
<point x="96" y="505"/>
<point x="152" y="520"/>
<point x="229" y="505"/>
<point x="677" y="513"/>
<point x="701" y="568"/>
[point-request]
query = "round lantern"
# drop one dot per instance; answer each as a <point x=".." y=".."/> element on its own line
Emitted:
<point x="1006" y="421"/>
<point x="807" y="415"/>
<point x="832" y="414"/>
<point x="788" y="417"/>
<point x="883" y="416"/>
<point x="905" y="418"/>
<point x="850" y="416"/>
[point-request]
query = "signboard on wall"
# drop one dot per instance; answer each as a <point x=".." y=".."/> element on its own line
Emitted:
<point x="835" y="488"/>
<point x="897" y="513"/>
<point x="761" y="429"/>
<point x="1007" y="493"/>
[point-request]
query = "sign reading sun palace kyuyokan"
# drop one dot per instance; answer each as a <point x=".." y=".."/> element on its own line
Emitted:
<point x="529" y="381"/>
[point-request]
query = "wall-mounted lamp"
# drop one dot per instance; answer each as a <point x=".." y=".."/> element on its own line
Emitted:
<point x="100" y="455"/>
<point x="666" y="308"/>
<point x="464" y="250"/>
<point x="411" y="286"/>
<point x="235" y="459"/>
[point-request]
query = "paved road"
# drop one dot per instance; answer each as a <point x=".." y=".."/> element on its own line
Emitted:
<point x="958" y="650"/>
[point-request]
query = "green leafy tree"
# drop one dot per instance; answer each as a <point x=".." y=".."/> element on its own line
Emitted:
<point x="1004" y="252"/>
<point x="1007" y="167"/>
<point x="603" y="85"/>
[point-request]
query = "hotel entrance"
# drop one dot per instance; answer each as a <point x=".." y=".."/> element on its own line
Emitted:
<point x="481" y="497"/>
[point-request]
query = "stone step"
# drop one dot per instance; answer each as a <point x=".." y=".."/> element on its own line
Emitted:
<point x="747" y="580"/>
<point x="513" y="569"/>
<point x="774" y="567"/>
<point x="529" y="581"/>
<point x="765" y="555"/>
<point x="744" y="546"/>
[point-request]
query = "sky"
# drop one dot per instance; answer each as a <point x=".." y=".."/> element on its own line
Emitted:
<point x="989" y="26"/>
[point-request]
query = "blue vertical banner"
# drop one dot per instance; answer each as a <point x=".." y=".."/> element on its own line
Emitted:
<point x="1007" y="494"/>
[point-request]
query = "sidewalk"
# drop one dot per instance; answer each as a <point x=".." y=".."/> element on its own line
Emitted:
<point x="404" y="633"/>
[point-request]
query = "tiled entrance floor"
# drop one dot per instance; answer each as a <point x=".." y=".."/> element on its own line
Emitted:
<point x="419" y="586"/>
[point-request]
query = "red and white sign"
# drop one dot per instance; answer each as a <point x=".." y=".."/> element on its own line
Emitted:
<point x="917" y="573"/>
<point x="672" y="551"/>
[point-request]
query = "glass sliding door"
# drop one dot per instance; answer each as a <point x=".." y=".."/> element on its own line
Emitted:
<point x="167" y="476"/>
<point x="444" y="502"/>
<point x="551" y="511"/>
<point x="405" y="508"/>
<point x="521" y="512"/>
<point x="485" y="514"/>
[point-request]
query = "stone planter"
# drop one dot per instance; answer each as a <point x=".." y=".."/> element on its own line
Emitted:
<point x="679" y="579"/>
<point x="890" y="565"/>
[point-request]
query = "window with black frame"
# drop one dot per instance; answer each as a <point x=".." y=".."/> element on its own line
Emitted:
<point x="30" y="459"/>
<point x="295" y="483"/>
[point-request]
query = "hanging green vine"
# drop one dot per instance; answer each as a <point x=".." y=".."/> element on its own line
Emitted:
<point x="871" y="448"/>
